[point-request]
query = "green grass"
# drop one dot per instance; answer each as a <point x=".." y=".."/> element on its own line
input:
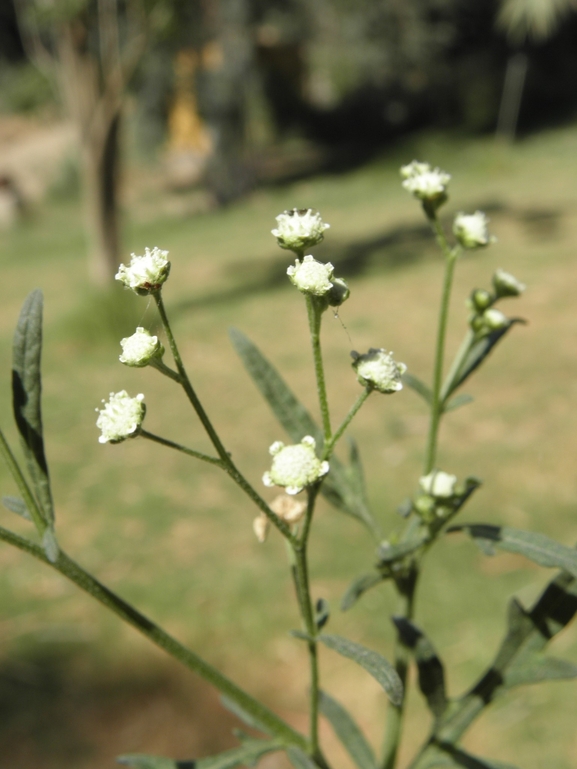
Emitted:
<point x="176" y="538"/>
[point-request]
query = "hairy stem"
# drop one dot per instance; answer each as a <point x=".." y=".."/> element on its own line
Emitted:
<point x="315" y="314"/>
<point x="328" y="448"/>
<point x="75" y="573"/>
<point x="172" y="445"/>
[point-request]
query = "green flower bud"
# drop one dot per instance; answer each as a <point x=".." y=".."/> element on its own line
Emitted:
<point x="339" y="293"/>
<point x="506" y="284"/>
<point x="480" y="299"/>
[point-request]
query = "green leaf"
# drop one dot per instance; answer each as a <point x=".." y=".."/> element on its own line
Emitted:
<point x="299" y="759"/>
<point x="143" y="761"/>
<point x="537" y="547"/>
<point x="322" y="613"/>
<point x="446" y="756"/>
<point x="459" y="400"/>
<point x="478" y="353"/>
<point x="359" y="586"/>
<point x="50" y="545"/>
<point x="348" y="732"/>
<point x="338" y="487"/>
<point x="242" y="714"/>
<point x="247" y="753"/>
<point x="16" y="505"/>
<point x="389" y="553"/>
<point x="539" y="668"/>
<point x="373" y="662"/>
<point x="418" y="386"/>
<point x="429" y="665"/>
<point x="27" y="394"/>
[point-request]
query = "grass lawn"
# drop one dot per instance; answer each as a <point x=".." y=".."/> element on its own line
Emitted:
<point x="175" y="537"/>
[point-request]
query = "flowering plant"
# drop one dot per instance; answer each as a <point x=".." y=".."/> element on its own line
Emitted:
<point x="308" y="467"/>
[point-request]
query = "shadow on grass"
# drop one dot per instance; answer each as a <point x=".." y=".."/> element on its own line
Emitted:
<point x="58" y="708"/>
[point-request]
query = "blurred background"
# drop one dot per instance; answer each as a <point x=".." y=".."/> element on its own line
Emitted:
<point x="190" y="124"/>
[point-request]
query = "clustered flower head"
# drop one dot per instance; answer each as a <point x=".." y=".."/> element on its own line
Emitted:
<point x="140" y="349"/>
<point x="299" y="228"/>
<point x="377" y="369"/>
<point x="426" y="183"/>
<point x="121" y="417"/>
<point x="506" y="284"/>
<point x="295" y="467"/>
<point x="438" y="484"/>
<point x="312" y="277"/>
<point x="471" y="230"/>
<point x="145" y="274"/>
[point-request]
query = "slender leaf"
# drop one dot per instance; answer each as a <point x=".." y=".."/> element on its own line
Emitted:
<point x="27" y="395"/>
<point x="539" y="668"/>
<point x="17" y="505"/>
<point x="322" y="613"/>
<point x="338" y="488"/>
<point x="247" y="753"/>
<point x="536" y="547"/>
<point x="242" y="714"/>
<point x="389" y="553"/>
<point x="459" y="400"/>
<point x="446" y="756"/>
<point x="418" y="386"/>
<point x="359" y="586"/>
<point x="373" y="662"/>
<point x="50" y="544"/>
<point x="299" y="759"/>
<point x="143" y="761"/>
<point x="429" y="665"/>
<point x="348" y="732"/>
<point x="478" y="353"/>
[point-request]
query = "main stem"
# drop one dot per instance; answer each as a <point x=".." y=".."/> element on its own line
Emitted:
<point x="315" y="314"/>
<point x="437" y="403"/>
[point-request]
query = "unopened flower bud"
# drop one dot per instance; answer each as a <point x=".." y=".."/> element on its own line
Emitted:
<point x="311" y="277"/>
<point x="289" y="509"/>
<point x="426" y="183"/>
<point x="506" y="284"/>
<point x="425" y="505"/>
<point x="260" y="527"/>
<point x="139" y="349"/>
<point x="121" y="417"/>
<point x="299" y="228"/>
<point x="145" y="274"/>
<point x="481" y="299"/>
<point x="295" y="467"/>
<point x="339" y="293"/>
<point x="438" y="484"/>
<point x="494" y="319"/>
<point x="378" y="370"/>
<point x="471" y="230"/>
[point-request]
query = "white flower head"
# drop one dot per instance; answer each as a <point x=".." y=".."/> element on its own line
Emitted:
<point x="494" y="319"/>
<point x="425" y="183"/>
<point x="299" y="228"/>
<point x="121" y="417"/>
<point x="471" y="230"/>
<point x="140" y="348"/>
<point x="506" y="284"/>
<point x="295" y="467"/>
<point x="311" y="277"/>
<point x="438" y="484"/>
<point x="378" y="369"/>
<point x="260" y="526"/>
<point x="145" y="274"/>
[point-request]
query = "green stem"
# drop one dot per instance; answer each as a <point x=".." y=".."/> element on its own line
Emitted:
<point x="226" y="462"/>
<point x="161" y="366"/>
<point x="454" y="371"/>
<point x="23" y="487"/>
<point x="402" y="658"/>
<point x="437" y="404"/>
<point x="328" y="449"/>
<point x="70" y="569"/>
<point x="315" y="314"/>
<point x="172" y="445"/>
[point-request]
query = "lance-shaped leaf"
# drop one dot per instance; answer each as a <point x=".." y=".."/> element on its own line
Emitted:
<point x="459" y="400"/>
<point x="539" y="668"/>
<point x="27" y="395"/>
<point x="359" y="586"/>
<point x="247" y="753"/>
<point x="296" y="420"/>
<point x="478" y="353"/>
<point x="447" y="756"/>
<point x="536" y="547"/>
<point x="373" y="662"/>
<point x="389" y="553"/>
<point x="18" y="506"/>
<point x="418" y="386"/>
<point x="242" y="714"/>
<point x="299" y="759"/>
<point x="348" y="732"/>
<point x="429" y="665"/>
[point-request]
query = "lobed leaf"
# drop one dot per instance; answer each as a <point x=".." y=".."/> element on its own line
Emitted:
<point x="373" y="662"/>
<point x="27" y="395"/>
<point x="342" y="487"/>
<point x="429" y="665"/>
<point x="537" y="547"/>
<point x="348" y="732"/>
